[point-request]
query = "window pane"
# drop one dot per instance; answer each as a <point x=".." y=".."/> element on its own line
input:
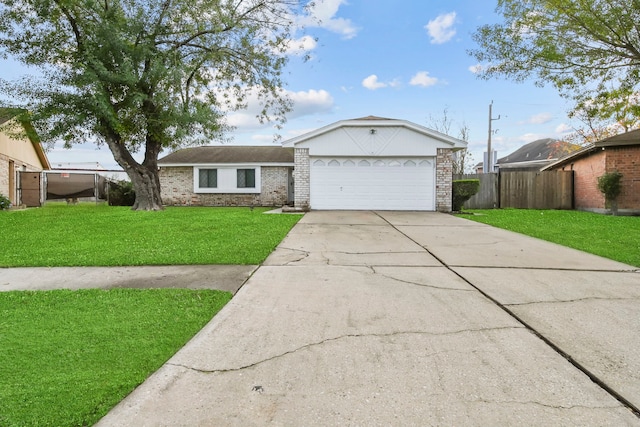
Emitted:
<point x="251" y="178"/>
<point x="208" y="178"/>
<point x="246" y="178"/>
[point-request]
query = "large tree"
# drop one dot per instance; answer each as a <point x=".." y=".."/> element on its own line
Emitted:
<point x="588" y="49"/>
<point x="143" y="75"/>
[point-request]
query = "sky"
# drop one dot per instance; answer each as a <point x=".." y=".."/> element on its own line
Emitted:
<point x="404" y="60"/>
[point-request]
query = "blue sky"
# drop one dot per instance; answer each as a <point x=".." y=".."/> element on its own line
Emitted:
<point x="397" y="59"/>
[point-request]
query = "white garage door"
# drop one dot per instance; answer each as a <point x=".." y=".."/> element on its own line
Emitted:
<point x="373" y="183"/>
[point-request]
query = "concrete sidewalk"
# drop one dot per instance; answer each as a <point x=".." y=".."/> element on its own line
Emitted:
<point x="404" y="318"/>
<point x="221" y="277"/>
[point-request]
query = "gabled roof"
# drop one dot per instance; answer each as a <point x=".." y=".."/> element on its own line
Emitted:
<point x="623" y="139"/>
<point x="229" y="154"/>
<point x="378" y="122"/>
<point x="7" y="114"/>
<point x="541" y="149"/>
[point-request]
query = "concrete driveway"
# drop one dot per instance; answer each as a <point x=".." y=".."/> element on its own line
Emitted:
<point x="404" y="318"/>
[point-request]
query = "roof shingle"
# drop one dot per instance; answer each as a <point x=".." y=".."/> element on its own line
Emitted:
<point x="229" y="154"/>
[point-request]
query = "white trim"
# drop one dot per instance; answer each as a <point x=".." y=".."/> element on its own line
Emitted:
<point x="455" y="143"/>
<point x="227" y="180"/>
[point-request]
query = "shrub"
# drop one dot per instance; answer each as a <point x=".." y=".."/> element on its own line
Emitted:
<point x="5" y="203"/>
<point x="121" y="193"/>
<point x="610" y="184"/>
<point x="463" y="189"/>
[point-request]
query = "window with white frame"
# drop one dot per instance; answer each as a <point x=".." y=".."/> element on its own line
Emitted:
<point x="226" y="179"/>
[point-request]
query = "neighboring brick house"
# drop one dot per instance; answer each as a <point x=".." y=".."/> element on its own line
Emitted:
<point x="228" y="175"/>
<point x="21" y="157"/>
<point x="620" y="153"/>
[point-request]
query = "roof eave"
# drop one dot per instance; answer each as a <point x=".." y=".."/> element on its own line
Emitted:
<point x="457" y="144"/>
<point x="230" y="164"/>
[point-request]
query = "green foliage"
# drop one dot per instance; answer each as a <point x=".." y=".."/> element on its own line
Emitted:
<point x="5" y="203"/>
<point x="121" y="193"/>
<point x="612" y="237"/>
<point x="70" y="356"/>
<point x="144" y="75"/>
<point x="463" y="190"/>
<point x="588" y="50"/>
<point x="101" y="235"/>
<point x="610" y="184"/>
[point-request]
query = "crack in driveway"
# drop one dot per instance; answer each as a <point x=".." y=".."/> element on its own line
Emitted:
<point x="420" y="284"/>
<point x="521" y="304"/>
<point x="338" y="338"/>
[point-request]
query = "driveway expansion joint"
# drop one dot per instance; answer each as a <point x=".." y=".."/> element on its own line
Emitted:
<point x="593" y="377"/>
<point x="341" y="337"/>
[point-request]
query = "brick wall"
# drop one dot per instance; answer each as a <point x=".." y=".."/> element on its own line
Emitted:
<point x="626" y="160"/>
<point x="586" y="171"/>
<point x="176" y="185"/>
<point x="444" y="176"/>
<point x="301" y="176"/>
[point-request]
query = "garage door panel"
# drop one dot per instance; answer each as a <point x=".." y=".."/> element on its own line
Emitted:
<point x="385" y="184"/>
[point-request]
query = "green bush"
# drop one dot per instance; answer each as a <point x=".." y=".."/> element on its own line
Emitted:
<point x="121" y="193"/>
<point x="5" y="203"/>
<point x="463" y="189"/>
<point x="610" y="184"/>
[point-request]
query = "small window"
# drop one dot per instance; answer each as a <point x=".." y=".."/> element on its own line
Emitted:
<point x="246" y="178"/>
<point x="208" y="178"/>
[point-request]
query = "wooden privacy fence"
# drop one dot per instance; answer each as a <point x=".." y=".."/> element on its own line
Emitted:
<point x="524" y="190"/>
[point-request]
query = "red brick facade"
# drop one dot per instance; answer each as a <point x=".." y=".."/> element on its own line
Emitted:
<point x="626" y="160"/>
<point x="593" y="164"/>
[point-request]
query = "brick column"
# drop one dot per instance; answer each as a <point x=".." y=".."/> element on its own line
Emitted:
<point x="444" y="176"/>
<point x="301" y="175"/>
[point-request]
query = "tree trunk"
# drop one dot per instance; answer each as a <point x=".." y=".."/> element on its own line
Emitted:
<point x="144" y="177"/>
<point x="146" y="183"/>
<point x="614" y="207"/>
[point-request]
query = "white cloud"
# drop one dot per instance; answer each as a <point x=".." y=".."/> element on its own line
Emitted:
<point x="563" y="128"/>
<point x="322" y="14"/>
<point x="310" y="102"/>
<point x="540" y="119"/>
<point x="423" y="79"/>
<point x="475" y="69"/>
<point x="305" y="103"/>
<point x="530" y="137"/>
<point x="372" y="83"/>
<point x="301" y="46"/>
<point x="441" y="29"/>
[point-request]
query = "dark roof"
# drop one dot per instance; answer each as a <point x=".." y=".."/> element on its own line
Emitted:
<point x="7" y="114"/>
<point x="542" y="149"/>
<point x="230" y="154"/>
<point x="627" y="138"/>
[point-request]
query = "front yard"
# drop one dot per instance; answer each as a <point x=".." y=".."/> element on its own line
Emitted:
<point x="613" y="237"/>
<point x="67" y="357"/>
<point x="90" y="235"/>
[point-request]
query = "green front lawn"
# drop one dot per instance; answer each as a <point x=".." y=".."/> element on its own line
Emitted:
<point x="614" y="237"/>
<point x="90" y="235"/>
<point x="67" y="357"/>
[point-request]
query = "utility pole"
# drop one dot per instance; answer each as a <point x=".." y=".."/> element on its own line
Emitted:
<point x="489" y="167"/>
